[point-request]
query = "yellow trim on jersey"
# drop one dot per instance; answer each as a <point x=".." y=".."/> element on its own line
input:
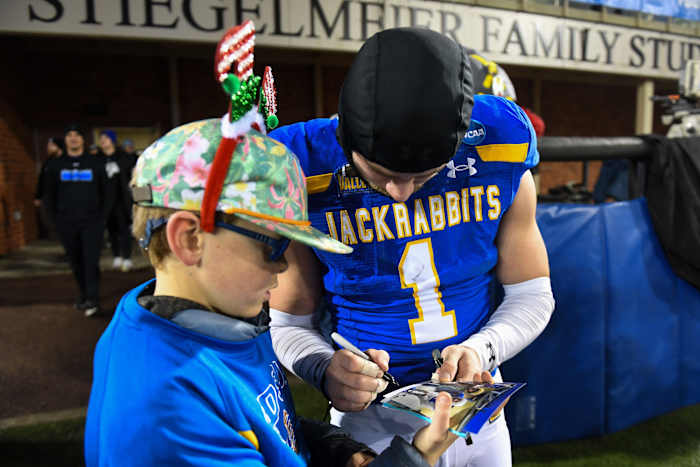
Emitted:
<point x="503" y="152"/>
<point x="318" y="183"/>
<point x="250" y="436"/>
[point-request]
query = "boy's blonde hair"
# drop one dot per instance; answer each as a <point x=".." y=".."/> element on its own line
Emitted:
<point x="158" y="248"/>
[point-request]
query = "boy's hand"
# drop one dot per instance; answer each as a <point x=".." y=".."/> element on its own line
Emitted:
<point x="352" y="382"/>
<point x="360" y="459"/>
<point x="431" y="441"/>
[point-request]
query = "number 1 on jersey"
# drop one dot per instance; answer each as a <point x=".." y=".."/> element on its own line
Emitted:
<point x="417" y="271"/>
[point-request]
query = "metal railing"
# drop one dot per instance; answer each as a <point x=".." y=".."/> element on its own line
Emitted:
<point x="586" y="149"/>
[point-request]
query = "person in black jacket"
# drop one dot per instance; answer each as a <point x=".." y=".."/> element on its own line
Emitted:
<point x="118" y="167"/>
<point x="130" y="149"/>
<point x="54" y="148"/>
<point x="74" y="196"/>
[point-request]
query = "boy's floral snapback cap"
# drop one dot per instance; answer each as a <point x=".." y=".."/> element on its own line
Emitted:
<point x="229" y="165"/>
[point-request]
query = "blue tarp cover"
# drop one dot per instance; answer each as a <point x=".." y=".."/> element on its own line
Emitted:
<point x="623" y="344"/>
<point x="685" y="9"/>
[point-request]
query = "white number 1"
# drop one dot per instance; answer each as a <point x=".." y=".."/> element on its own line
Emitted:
<point x="417" y="271"/>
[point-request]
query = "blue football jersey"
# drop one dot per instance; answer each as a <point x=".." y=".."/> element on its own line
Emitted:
<point x="420" y="274"/>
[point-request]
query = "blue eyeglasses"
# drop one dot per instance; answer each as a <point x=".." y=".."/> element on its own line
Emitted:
<point x="278" y="245"/>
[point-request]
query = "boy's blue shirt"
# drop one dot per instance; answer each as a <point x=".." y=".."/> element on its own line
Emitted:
<point x="165" y="395"/>
<point x="419" y="277"/>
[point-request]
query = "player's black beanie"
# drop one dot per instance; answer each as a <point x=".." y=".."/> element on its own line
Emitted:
<point x="407" y="100"/>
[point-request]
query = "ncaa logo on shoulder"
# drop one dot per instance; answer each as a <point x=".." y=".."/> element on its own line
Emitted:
<point x="475" y="134"/>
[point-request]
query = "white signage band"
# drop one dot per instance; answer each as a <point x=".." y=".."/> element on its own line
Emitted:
<point x="505" y="36"/>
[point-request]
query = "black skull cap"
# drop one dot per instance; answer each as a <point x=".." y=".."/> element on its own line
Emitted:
<point x="407" y="100"/>
<point x="74" y="127"/>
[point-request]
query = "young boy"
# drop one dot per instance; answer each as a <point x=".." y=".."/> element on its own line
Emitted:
<point x="185" y="373"/>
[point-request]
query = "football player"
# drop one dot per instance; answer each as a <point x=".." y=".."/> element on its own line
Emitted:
<point x="430" y="184"/>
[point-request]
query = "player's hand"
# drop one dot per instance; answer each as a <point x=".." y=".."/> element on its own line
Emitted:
<point x="431" y="441"/>
<point x="462" y="364"/>
<point x="352" y="382"/>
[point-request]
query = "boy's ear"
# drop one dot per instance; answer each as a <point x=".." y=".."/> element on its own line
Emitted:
<point x="184" y="237"/>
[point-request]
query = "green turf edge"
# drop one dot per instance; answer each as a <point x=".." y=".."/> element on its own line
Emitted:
<point x="669" y="440"/>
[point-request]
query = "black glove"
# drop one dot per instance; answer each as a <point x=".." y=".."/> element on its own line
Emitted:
<point x="329" y="445"/>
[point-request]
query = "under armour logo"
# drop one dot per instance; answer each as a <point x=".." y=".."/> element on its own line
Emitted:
<point x="453" y="169"/>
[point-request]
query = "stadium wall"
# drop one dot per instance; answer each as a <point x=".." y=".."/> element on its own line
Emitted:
<point x="108" y="83"/>
<point x="17" y="181"/>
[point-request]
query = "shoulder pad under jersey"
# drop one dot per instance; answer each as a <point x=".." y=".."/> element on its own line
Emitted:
<point x="500" y="131"/>
<point x="315" y="145"/>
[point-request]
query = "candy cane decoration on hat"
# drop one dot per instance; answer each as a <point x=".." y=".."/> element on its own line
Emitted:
<point x="235" y="48"/>
<point x="233" y="69"/>
<point x="269" y="98"/>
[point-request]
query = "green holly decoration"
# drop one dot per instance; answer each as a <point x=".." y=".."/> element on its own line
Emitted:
<point x="231" y="84"/>
<point x="244" y="97"/>
<point x="272" y="121"/>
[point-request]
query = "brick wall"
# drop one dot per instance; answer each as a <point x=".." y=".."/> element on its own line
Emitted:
<point x="200" y="97"/>
<point x="603" y="107"/>
<point x="17" y="182"/>
<point x="95" y="91"/>
<point x="584" y="109"/>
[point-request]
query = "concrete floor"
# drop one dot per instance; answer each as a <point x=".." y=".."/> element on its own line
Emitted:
<point x="46" y="257"/>
<point x="45" y="343"/>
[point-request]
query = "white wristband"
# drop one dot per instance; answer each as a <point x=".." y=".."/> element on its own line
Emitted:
<point x="520" y="318"/>
<point x="300" y="347"/>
